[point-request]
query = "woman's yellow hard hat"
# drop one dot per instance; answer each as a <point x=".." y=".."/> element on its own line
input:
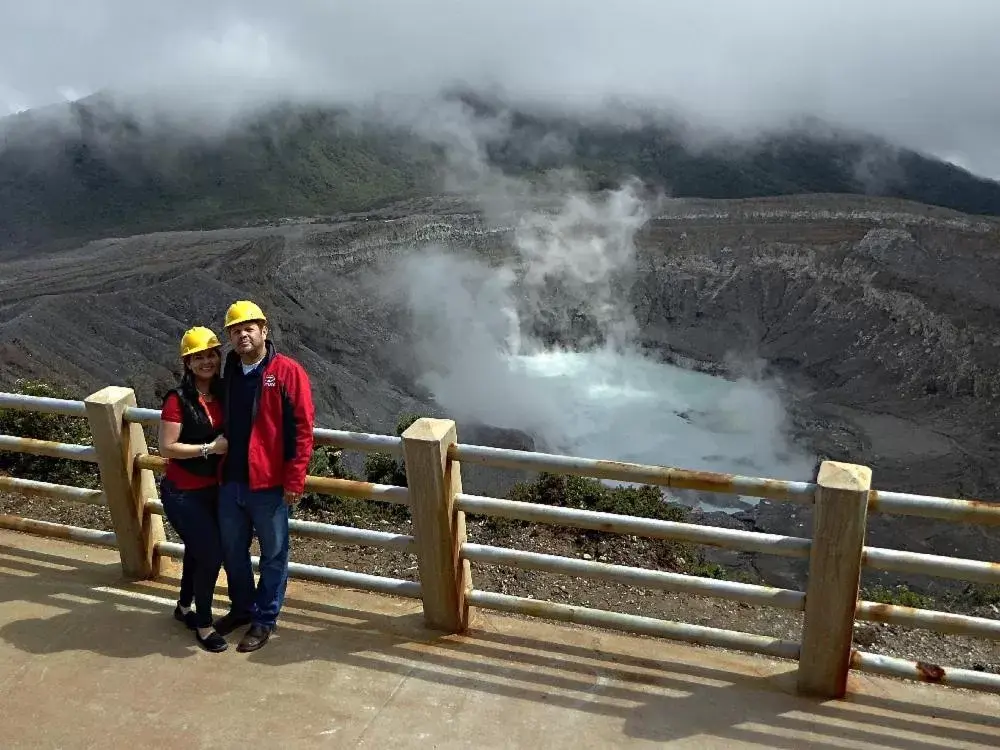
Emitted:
<point x="198" y="339"/>
<point x="242" y="311"/>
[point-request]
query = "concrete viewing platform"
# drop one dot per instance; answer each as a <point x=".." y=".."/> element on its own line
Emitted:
<point x="87" y="660"/>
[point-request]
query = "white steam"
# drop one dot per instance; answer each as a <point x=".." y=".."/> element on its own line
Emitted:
<point x="545" y="342"/>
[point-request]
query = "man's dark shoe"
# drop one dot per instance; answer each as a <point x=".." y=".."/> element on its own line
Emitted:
<point x="229" y="622"/>
<point x="187" y="618"/>
<point x="212" y="642"/>
<point x="254" y="638"/>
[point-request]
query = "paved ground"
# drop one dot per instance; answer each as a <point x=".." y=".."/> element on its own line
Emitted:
<point x="87" y="661"/>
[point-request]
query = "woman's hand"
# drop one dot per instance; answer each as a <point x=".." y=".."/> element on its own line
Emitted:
<point x="219" y="446"/>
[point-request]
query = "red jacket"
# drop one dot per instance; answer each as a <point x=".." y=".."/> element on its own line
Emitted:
<point x="281" y="436"/>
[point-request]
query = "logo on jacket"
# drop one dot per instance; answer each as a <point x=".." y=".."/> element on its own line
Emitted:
<point x="270" y="381"/>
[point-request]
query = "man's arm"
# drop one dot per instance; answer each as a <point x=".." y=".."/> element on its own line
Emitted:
<point x="298" y="392"/>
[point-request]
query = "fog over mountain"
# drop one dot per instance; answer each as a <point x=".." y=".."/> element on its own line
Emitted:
<point x="912" y="72"/>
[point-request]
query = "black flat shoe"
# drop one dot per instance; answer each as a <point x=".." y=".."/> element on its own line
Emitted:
<point x="187" y="619"/>
<point x="212" y="642"/>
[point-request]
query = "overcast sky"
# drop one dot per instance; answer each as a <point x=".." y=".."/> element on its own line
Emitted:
<point x="924" y="74"/>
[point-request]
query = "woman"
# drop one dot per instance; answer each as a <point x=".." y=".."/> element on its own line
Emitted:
<point x="191" y="440"/>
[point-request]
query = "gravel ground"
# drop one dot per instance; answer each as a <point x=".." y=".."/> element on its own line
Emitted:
<point x="955" y="651"/>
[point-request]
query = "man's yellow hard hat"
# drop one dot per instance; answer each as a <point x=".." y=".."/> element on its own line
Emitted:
<point x="198" y="339"/>
<point x="242" y="311"/>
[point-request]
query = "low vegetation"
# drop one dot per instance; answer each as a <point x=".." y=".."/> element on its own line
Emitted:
<point x="51" y="427"/>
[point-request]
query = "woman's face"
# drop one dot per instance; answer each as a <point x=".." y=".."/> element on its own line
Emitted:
<point x="205" y="365"/>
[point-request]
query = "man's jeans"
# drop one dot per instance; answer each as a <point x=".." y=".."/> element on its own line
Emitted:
<point x="192" y="513"/>
<point x="242" y="512"/>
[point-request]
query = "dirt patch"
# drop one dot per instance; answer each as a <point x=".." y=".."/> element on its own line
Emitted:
<point x="969" y="653"/>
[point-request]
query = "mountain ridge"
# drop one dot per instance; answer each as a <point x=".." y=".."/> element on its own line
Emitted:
<point x="93" y="168"/>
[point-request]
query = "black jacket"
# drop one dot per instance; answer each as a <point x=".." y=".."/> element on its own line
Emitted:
<point x="196" y="429"/>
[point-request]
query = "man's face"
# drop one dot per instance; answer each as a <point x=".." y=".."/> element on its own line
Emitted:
<point x="248" y="338"/>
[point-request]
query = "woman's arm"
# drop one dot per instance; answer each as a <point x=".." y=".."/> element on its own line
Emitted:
<point x="170" y="448"/>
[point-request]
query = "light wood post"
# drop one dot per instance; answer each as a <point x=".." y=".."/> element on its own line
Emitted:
<point x="438" y="527"/>
<point x="839" y="520"/>
<point x="117" y="444"/>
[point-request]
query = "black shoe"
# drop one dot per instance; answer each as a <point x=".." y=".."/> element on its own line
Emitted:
<point x="188" y="619"/>
<point x="229" y="622"/>
<point x="254" y="638"/>
<point x="212" y="642"/>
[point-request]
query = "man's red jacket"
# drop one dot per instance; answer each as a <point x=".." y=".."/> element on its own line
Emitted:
<point x="281" y="436"/>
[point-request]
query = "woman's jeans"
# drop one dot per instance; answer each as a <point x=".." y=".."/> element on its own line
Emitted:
<point x="194" y="516"/>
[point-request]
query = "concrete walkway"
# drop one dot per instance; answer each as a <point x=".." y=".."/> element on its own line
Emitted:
<point x="87" y="661"/>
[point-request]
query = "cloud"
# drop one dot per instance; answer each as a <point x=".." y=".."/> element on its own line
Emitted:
<point x="914" y="71"/>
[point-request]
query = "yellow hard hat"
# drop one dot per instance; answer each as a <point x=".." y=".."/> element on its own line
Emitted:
<point x="198" y="339"/>
<point x="242" y="311"/>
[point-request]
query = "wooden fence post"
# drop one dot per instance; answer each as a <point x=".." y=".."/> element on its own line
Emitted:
<point x="117" y="444"/>
<point x="438" y="527"/>
<point x="838" y="539"/>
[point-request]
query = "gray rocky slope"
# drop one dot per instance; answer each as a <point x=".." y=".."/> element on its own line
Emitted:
<point x="878" y="316"/>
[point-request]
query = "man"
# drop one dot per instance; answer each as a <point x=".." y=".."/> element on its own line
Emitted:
<point x="269" y="418"/>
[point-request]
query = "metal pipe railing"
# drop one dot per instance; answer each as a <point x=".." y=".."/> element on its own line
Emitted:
<point x="388" y="493"/>
<point x="330" y="532"/>
<point x="360" y="441"/>
<point x="947" y="509"/>
<point x="59" y="531"/>
<point x="931" y="565"/>
<point x="640" y="577"/>
<point x="70" y="451"/>
<point x="663" y="476"/>
<point x="42" y="404"/>
<point x="32" y="488"/>
<point x="746" y="541"/>
<point x="925" y="672"/>
<point x="928" y="619"/>
<point x="138" y="415"/>
<point x="732" y="639"/>
<point x="346" y="578"/>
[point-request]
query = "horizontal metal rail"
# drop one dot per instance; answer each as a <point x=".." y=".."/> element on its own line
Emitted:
<point x="663" y="476"/>
<point x="947" y="509"/>
<point x="928" y="619"/>
<point x="639" y="577"/>
<point x="331" y="532"/>
<point x="42" y="404"/>
<point x="32" y="488"/>
<point x="732" y="639"/>
<point x="931" y="565"/>
<point x="59" y="531"/>
<point x="153" y="463"/>
<point x="925" y="672"/>
<point x="387" y="493"/>
<point x="346" y="578"/>
<point x="139" y="415"/>
<point x="747" y="541"/>
<point x="70" y="451"/>
<point x="359" y="441"/>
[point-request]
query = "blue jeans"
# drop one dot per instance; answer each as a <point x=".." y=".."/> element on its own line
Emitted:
<point x="193" y="514"/>
<point x="242" y="512"/>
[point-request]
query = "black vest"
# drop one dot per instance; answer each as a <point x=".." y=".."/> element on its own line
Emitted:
<point x="196" y="429"/>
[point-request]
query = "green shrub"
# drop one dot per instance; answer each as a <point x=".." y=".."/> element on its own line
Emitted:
<point x="569" y="491"/>
<point x="326" y="462"/>
<point x="382" y="468"/>
<point x="52" y="427"/>
<point x="900" y="595"/>
<point x="979" y="595"/>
